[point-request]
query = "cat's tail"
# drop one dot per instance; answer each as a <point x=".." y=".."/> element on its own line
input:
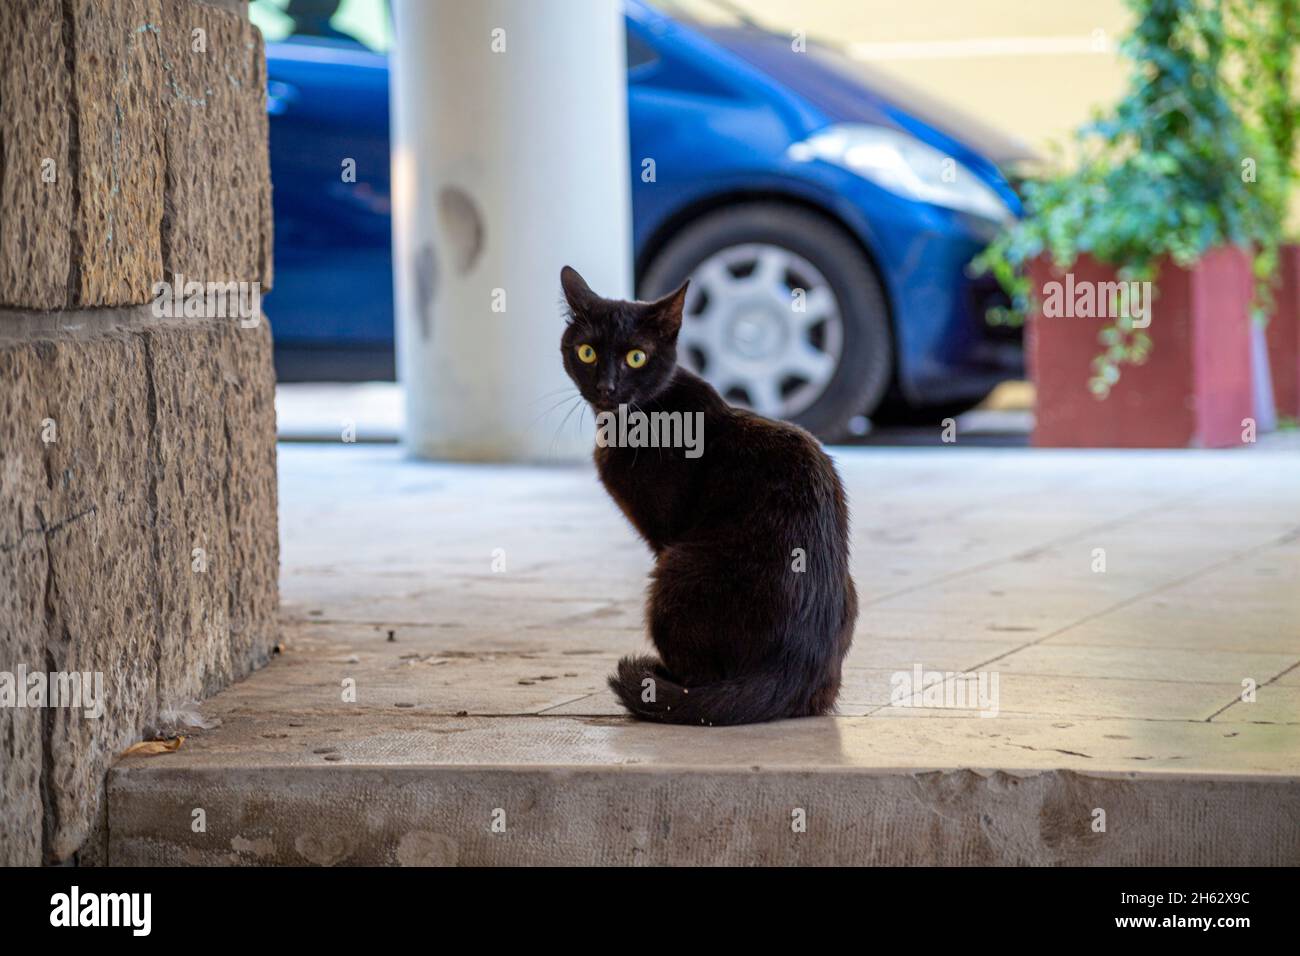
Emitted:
<point x="644" y="687"/>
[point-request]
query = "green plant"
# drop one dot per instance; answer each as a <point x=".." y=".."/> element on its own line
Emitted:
<point x="1261" y="45"/>
<point x="1166" y="172"/>
<point x="1261" y="59"/>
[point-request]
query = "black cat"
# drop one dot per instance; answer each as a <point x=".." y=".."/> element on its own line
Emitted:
<point x="751" y="604"/>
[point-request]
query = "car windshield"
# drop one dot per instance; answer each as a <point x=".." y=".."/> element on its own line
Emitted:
<point x="364" y="23"/>
<point x="710" y="13"/>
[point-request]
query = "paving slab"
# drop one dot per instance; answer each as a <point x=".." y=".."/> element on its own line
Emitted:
<point x="1137" y="663"/>
<point x="439" y="692"/>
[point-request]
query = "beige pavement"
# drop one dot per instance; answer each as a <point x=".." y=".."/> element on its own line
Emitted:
<point x="478" y="690"/>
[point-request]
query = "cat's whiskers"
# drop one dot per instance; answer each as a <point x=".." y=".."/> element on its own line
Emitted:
<point x="564" y="421"/>
<point x="554" y="407"/>
<point x="636" y="408"/>
<point x="554" y="391"/>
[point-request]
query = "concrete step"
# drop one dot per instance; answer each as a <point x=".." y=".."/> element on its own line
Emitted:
<point x="432" y="704"/>
<point x="410" y="790"/>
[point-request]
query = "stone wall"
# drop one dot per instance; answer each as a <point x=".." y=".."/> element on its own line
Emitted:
<point x="137" y="452"/>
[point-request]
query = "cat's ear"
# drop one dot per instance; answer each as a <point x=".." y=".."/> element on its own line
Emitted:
<point x="665" y="314"/>
<point x="576" y="291"/>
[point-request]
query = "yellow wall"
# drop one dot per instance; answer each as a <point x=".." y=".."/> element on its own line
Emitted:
<point x="992" y="58"/>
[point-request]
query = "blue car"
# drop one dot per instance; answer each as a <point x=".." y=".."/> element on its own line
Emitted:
<point x="825" y="216"/>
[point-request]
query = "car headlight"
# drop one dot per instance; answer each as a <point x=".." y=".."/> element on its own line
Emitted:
<point x="904" y="165"/>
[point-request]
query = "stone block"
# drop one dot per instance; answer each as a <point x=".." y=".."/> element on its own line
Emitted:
<point x="116" y="85"/>
<point x="118" y="448"/>
<point x="22" y="638"/>
<point x="215" y="465"/>
<point x="37" y="179"/>
<point x="133" y="140"/>
<point x="216" y="221"/>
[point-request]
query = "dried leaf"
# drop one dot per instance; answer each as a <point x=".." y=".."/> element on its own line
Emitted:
<point x="148" y="748"/>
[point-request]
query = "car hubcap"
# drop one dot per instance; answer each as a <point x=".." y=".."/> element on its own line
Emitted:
<point x="763" y="326"/>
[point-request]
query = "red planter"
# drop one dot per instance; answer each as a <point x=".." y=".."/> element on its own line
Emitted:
<point x="1284" y="334"/>
<point x="1193" y="390"/>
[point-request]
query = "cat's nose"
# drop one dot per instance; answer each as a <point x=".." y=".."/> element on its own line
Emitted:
<point x="604" y="390"/>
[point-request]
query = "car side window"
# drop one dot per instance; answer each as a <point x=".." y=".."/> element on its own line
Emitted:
<point x="639" y="53"/>
<point x="363" y="23"/>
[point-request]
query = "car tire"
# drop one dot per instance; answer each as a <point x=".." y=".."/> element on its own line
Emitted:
<point x="858" y="383"/>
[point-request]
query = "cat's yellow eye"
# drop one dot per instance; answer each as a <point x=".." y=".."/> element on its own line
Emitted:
<point x="586" y="354"/>
<point x="636" y="358"/>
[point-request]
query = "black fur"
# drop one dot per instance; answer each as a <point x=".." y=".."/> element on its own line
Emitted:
<point x="743" y="636"/>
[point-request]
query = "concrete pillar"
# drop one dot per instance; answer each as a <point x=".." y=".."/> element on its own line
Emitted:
<point x="510" y="159"/>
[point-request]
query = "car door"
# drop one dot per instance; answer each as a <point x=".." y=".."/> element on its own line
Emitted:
<point x="331" y="308"/>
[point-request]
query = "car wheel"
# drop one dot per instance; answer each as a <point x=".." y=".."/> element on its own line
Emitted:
<point x="785" y="315"/>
